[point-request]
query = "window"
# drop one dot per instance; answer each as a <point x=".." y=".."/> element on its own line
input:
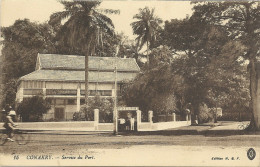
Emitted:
<point x="82" y="101"/>
<point x="97" y="92"/>
<point x="60" y="101"/>
<point x="32" y="91"/>
<point x="32" y="84"/>
<point x="106" y="93"/>
<point x="71" y="102"/>
<point x="50" y="100"/>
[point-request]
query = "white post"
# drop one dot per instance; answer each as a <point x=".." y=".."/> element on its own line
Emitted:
<point x="78" y="99"/>
<point x="96" y="118"/>
<point x="138" y="118"/>
<point x="150" y="116"/>
<point x="115" y="113"/>
<point x="174" y="117"/>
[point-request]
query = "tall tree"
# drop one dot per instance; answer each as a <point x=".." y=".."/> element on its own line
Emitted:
<point x="157" y="81"/>
<point x="146" y="27"/>
<point x="83" y="28"/>
<point x="242" y="21"/>
<point x="203" y="50"/>
<point x="22" y="42"/>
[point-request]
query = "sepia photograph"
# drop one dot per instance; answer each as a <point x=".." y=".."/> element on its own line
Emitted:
<point x="129" y="83"/>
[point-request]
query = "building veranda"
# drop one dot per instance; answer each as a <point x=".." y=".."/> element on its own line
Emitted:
<point x="61" y="79"/>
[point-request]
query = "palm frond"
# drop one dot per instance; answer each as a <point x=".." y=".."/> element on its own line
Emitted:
<point x="85" y="25"/>
<point x="108" y="11"/>
<point x="146" y="26"/>
<point x="57" y="17"/>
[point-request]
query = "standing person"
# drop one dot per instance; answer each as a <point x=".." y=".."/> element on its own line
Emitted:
<point x="9" y="123"/>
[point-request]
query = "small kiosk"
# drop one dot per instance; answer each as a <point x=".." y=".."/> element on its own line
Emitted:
<point x="128" y="118"/>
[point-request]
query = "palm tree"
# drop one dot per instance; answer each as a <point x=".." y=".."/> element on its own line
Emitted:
<point x="83" y="28"/>
<point x="146" y="27"/>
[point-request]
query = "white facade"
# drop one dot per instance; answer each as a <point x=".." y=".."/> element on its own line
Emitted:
<point x="65" y="87"/>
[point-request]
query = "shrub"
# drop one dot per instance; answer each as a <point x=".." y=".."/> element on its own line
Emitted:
<point x="105" y="106"/>
<point x="204" y="113"/>
<point x="32" y="109"/>
<point x="79" y="116"/>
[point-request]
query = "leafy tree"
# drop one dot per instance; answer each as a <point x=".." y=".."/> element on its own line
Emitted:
<point x="83" y="28"/>
<point x="154" y="88"/>
<point x="184" y="36"/>
<point x="129" y="48"/>
<point x="146" y="27"/>
<point x="32" y="109"/>
<point x="203" y="60"/>
<point x="242" y="21"/>
<point x="22" y="42"/>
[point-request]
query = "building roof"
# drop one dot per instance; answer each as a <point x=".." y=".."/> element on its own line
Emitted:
<point x="77" y="76"/>
<point x="76" y="62"/>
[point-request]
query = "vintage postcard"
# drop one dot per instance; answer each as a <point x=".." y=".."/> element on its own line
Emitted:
<point x="129" y="83"/>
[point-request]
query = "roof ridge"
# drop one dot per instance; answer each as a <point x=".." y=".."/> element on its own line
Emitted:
<point x="43" y="54"/>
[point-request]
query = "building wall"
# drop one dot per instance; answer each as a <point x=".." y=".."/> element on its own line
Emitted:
<point x="99" y="86"/>
<point x="68" y="110"/>
<point x="59" y="102"/>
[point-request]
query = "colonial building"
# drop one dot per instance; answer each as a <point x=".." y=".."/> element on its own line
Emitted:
<point x="61" y="78"/>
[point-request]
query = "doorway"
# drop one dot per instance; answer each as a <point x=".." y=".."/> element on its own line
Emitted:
<point x="59" y="114"/>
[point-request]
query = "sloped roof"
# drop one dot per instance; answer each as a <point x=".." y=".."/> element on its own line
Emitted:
<point x="77" y="76"/>
<point x="76" y="62"/>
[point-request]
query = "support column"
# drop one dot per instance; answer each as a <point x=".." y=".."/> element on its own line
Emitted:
<point x="78" y="99"/>
<point x="96" y="118"/>
<point x="113" y="93"/>
<point x="44" y="93"/>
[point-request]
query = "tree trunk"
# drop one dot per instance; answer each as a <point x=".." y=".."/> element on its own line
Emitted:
<point x="253" y="91"/>
<point x="148" y="61"/>
<point x="86" y="80"/>
<point x="88" y="52"/>
<point x="194" y="114"/>
<point x="215" y="113"/>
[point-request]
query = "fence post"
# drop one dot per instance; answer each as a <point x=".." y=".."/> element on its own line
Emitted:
<point x="138" y="118"/>
<point x="96" y="118"/>
<point x="150" y="116"/>
<point x="174" y="117"/>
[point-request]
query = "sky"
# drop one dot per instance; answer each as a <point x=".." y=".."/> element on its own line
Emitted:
<point x="40" y="10"/>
